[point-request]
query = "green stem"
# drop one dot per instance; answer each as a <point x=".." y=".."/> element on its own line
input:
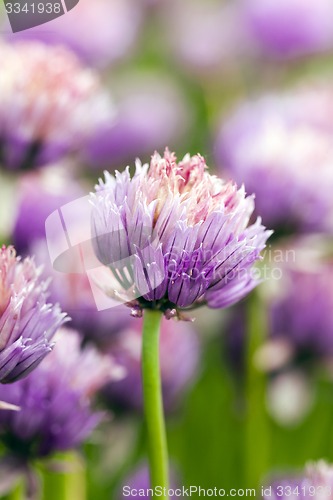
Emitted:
<point x="75" y="481"/>
<point x="153" y="403"/>
<point x="257" y="438"/>
<point x="65" y="484"/>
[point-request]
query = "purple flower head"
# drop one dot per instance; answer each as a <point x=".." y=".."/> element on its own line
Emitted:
<point x="179" y="358"/>
<point x="27" y="321"/>
<point x="175" y="237"/>
<point x="280" y="146"/>
<point x="100" y="33"/>
<point x="315" y="482"/>
<point x="289" y="28"/>
<point x="55" y="400"/>
<point x="49" y="105"/>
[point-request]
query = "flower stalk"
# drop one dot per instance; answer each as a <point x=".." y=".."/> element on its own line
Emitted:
<point x="257" y="431"/>
<point x="153" y="402"/>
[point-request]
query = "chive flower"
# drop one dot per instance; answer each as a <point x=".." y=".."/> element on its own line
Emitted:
<point x="175" y="237"/>
<point x="27" y="321"/>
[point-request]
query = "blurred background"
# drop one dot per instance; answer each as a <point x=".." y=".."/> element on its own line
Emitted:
<point x="248" y="84"/>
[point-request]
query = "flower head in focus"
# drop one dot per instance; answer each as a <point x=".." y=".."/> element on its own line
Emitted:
<point x="174" y="236"/>
<point x="55" y="400"/>
<point x="49" y="105"/>
<point x="27" y="321"/>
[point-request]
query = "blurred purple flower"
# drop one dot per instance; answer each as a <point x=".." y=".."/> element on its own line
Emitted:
<point x="179" y="358"/>
<point x="151" y="112"/>
<point x="315" y="482"/>
<point x="299" y="306"/>
<point x="299" y="343"/>
<point x="100" y="33"/>
<point x="49" y="104"/>
<point x="289" y="28"/>
<point x="39" y="194"/>
<point x="222" y="38"/>
<point x="55" y="400"/>
<point x="27" y="322"/>
<point x="280" y="146"/>
<point x="301" y="310"/>
<point x="175" y="237"/>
